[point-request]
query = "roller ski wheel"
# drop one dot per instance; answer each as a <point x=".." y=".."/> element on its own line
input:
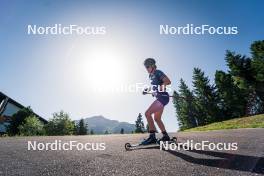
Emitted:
<point x="128" y="146"/>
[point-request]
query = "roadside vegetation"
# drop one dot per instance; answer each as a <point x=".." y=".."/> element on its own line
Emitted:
<point x="237" y="92"/>
<point x="25" y="123"/>
<point x="256" y="121"/>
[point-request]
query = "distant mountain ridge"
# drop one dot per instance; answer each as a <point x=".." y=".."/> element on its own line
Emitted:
<point x="100" y="124"/>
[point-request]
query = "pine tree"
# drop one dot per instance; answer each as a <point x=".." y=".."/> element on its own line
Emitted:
<point x="82" y="128"/>
<point x="75" y="128"/>
<point x="185" y="107"/>
<point x="257" y="51"/>
<point x="92" y="132"/>
<point x="140" y="128"/>
<point x="232" y="101"/>
<point x="205" y="98"/>
<point x="245" y="77"/>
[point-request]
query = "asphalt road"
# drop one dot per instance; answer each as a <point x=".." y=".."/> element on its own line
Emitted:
<point x="16" y="159"/>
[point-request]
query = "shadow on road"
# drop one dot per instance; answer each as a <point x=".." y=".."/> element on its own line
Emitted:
<point x="226" y="160"/>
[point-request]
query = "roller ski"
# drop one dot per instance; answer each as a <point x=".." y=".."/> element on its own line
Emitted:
<point x="147" y="143"/>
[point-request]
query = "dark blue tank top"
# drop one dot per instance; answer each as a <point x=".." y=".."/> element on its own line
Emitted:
<point x="156" y="79"/>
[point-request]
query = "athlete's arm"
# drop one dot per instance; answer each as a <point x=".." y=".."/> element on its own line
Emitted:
<point x="166" y="81"/>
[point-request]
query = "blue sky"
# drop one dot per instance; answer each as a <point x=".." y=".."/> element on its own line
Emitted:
<point x="56" y="72"/>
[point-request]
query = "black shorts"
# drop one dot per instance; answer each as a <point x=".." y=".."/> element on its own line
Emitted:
<point x="163" y="98"/>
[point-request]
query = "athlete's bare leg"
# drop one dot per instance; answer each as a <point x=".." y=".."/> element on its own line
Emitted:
<point x="157" y="117"/>
<point x="155" y="107"/>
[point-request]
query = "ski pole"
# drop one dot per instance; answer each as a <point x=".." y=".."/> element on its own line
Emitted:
<point x="167" y="95"/>
<point x="161" y="95"/>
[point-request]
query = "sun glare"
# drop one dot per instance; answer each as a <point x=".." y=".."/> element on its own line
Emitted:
<point x="103" y="70"/>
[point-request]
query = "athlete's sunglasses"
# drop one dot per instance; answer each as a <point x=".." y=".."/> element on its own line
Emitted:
<point x="148" y="66"/>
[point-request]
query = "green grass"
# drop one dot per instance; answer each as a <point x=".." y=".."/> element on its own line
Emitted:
<point x="256" y="121"/>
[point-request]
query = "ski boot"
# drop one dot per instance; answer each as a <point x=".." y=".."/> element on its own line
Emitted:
<point x="150" y="140"/>
<point x="164" y="138"/>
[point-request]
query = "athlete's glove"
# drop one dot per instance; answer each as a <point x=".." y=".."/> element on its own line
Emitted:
<point x="145" y="91"/>
<point x="154" y="94"/>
